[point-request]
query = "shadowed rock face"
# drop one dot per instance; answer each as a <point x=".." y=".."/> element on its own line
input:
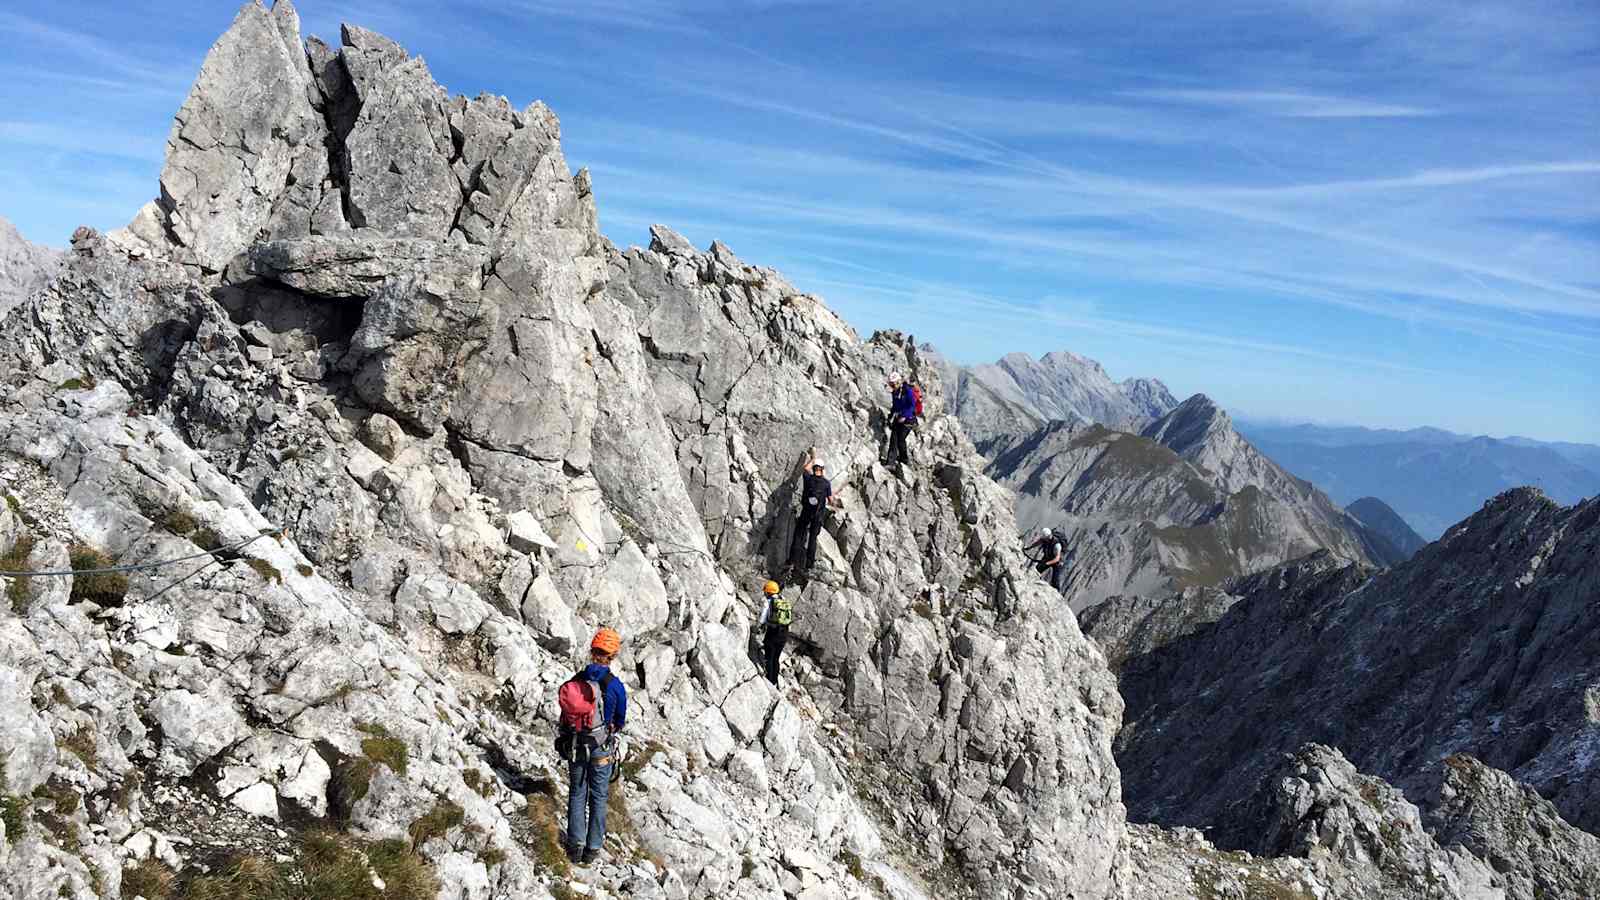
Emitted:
<point x="1487" y="643"/>
<point x="1391" y="540"/>
<point x="384" y="319"/>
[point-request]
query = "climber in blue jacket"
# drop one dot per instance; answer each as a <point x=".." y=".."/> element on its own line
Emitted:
<point x="902" y="418"/>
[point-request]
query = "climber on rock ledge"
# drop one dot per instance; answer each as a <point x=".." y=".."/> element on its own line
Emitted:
<point x="816" y="495"/>
<point x="905" y="405"/>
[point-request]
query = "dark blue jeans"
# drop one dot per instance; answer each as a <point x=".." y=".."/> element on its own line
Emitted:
<point x="588" y="788"/>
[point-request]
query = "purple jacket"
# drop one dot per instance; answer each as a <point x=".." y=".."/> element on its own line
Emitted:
<point x="903" y="403"/>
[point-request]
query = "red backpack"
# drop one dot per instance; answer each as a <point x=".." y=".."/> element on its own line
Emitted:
<point x="582" y="726"/>
<point x="916" y="398"/>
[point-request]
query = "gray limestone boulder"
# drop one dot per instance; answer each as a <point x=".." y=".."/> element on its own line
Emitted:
<point x="1519" y="833"/>
<point x="1318" y="807"/>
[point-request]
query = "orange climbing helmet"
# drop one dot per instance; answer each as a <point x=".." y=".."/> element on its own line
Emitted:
<point x="606" y="641"/>
<point x="771" y="588"/>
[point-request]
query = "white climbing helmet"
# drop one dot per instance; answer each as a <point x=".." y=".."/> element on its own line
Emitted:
<point x="818" y="464"/>
<point x="1045" y="532"/>
<point x="894" y="378"/>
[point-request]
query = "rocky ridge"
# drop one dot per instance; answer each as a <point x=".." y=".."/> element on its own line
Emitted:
<point x="384" y="319"/>
<point x="1485" y="644"/>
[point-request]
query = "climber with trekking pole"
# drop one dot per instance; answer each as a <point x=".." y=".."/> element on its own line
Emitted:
<point x="1048" y="563"/>
<point x="776" y="615"/>
<point x="816" y="495"/>
<point x="905" y="406"/>
<point x="594" y="709"/>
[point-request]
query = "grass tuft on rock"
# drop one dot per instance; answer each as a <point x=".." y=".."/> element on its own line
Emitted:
<point x="63" y="799"/>
<point x="179" y="522"/>
<point x="382" y="747"/>
<point x="12" y="809"/>
<point x="19" y="591"/>
<point x="268" y="572"/>
<point x="547" y="849"/>
<point x="99" y="588"/>
<point x="150" y="879"/>
<point x="327" y="866"/>
<point x="205" y="538"/>
<point x="81" y="744"/>
<point x="436" y="822"/>
<point x="406" y="876"/>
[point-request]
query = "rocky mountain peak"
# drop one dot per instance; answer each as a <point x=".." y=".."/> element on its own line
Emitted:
<point x="383" y="319"/>
<point x="1064" y="360"/>
<point x="998" y="402"/>
<point x="401" y="429"/>
<point x="1393" y="539"/>
<point x="1189" y="425"/>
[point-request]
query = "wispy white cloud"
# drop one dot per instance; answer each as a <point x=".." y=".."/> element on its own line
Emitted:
<point x="86" y="138"/>
<point x="89" y="48"/>
<point x="1289" y="104"/>
<point x="1430" y="178"/>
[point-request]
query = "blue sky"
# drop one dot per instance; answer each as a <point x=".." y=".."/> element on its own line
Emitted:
<point x="1367" y="212"/>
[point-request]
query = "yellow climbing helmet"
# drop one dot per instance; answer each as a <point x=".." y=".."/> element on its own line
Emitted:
<point x="771" y="588"/>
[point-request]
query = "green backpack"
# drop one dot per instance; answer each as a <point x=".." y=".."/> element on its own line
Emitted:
<point x="782" y="611"/>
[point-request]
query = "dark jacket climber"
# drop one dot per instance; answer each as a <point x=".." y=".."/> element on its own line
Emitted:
<point x="1051" y="550"/>
<point x="902" y="418"/>
<point x="816" y="495"/>
<point x="776" y="615"/>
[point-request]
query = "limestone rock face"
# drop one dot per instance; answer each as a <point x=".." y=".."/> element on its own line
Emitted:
<point x="246" y="144"/>
<point x="884" y="617"/>
<point x="384" y="319"/>
<point x="1517" y="831"/>
<point x="1131" y="628"/>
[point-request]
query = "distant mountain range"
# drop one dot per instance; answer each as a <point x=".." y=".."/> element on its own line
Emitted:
<point x="1185" y="503"/>
<point x="1433" y="478"/>
<point x="1000" y="401"/>
<point x="1151" y="495"/>
<point x="24" y="267"/>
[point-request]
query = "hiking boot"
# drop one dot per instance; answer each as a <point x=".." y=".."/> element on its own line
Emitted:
<point x="589" y="856"/>
<point x="573" y="853"/>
